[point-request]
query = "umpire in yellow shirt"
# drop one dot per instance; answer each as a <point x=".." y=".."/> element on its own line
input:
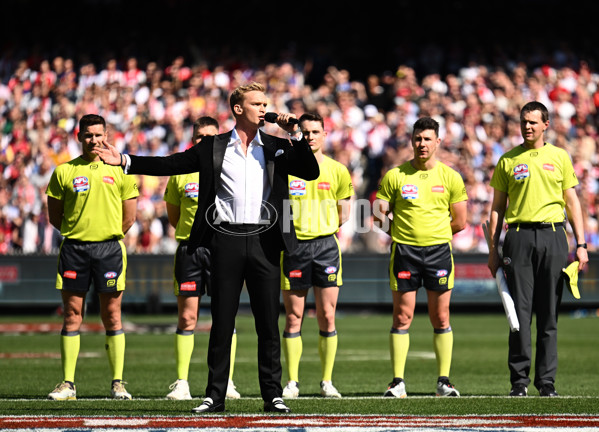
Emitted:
<point x="533" y="183"/>
<point x="319" y="208"/>
<point x="427" y="202"/>
<point x="93" y="205"/>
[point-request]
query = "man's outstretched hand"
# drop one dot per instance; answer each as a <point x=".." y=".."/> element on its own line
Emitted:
<point x="109" y="154"/>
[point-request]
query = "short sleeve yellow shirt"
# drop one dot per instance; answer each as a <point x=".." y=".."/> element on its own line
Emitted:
<point x="182" y="191"/>
<point x="420" y="202"/>
<point x="93" y="195"/>
<point x="534" y="181"/>
<point x="314" y="203"/>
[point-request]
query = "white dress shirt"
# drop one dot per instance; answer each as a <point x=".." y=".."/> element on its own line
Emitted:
<point x="244" y="182"/>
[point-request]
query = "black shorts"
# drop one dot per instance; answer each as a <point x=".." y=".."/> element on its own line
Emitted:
<point x="315" y="262"/>
<point x="411" y="267"/>
<point x="82" y="263"/>
<point x="192" y="272"/>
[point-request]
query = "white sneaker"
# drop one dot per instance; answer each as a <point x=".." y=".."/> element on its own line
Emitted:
<point x="180" y="390"/>
<point x="445" y="388"/>
<point x="327" y="389"/>
<point x="396" y="389"/>
<point x="63" y="391"/>
<point x="231" y="392"/>
<point x="118" y="391"/>
<point x="291" y="390"/>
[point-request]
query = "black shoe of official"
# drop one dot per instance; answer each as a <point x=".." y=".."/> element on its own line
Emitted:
<point x="547" y="390"/>
<point x="519" y="390"/>
<point x="208" y="406"/>
<point x="276" y="406"/>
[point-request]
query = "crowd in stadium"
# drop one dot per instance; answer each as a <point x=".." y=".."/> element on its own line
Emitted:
<point x="150" y="108"/>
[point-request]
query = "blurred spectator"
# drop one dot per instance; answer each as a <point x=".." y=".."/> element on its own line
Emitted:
<point x="151" y="103"/>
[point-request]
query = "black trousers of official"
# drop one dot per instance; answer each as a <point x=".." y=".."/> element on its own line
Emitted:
<point x="252" y="258"/>
<point x="533" y="262"/>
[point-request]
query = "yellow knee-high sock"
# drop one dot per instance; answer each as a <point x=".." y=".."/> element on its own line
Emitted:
<point x="115" y="349"/>
<point x="184" y="344"/>
<point x="443" y="345"/>
<point x="327" y="349"/>
<point x="399" y="344"/>
<point x="233" y="352"/>
<point x="69" y="351"/>
<point x="292" y="348"/>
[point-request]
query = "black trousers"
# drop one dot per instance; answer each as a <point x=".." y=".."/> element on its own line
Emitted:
<point x="252" y="258"/>
<point x="533" y="262"/>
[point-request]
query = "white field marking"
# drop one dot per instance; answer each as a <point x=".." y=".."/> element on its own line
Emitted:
<point x="331" y="429"/>
<point x="382" y="398"/>
<point x="52" y="355"/>
<point x="342" y="356"/>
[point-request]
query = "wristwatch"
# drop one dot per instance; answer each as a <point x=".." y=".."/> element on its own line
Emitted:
<point x="581" y="245"/>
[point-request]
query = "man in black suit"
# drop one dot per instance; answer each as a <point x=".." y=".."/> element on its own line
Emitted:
<point x="242" y="218"/>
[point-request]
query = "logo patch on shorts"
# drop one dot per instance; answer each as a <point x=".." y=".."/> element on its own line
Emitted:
<point x="110" y="275"/>
<point x="110" y="282"/>
<point x="442" y="273"/>
<point x="295" y="274"/>
<point x="443" y="281"/>
<point x="507" y="261"/>
<point x="404" y="275"/>
<point x="80" y="184"/>
<point x="521" y="172"/>
<point x="70" y="274"/>
<point x="191" y="190"/>
<point x="332" y="277"/>
<point x="330" y="270"/>
<point x="188" y="286"/>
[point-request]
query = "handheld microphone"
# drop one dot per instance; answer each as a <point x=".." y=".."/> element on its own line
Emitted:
<point x="271" y="117"/>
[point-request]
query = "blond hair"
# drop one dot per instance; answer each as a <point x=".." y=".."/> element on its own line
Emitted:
<point x="239" y="93"/>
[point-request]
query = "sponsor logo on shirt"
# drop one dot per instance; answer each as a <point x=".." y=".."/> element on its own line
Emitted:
<point x="187" y="286"/>
<point x="108" y="179"/>
<point x="297" y="188"/>
<point x="409" y="191"/>
<point x="324" y="185"/>
<point x="521" y="172"/>
<point x="548" y="167"/>
<point x="438" y="189"/>
<point x="80" y="184"/>
<point x="70" y="274"/>
<point x="404" y="275"/>
<point x="191" y="190"/>
<point x="295" y="274"/>
<point x="330" y="270"/>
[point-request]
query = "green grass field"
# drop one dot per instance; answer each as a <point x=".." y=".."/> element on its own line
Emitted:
<point x="30" y="367"/>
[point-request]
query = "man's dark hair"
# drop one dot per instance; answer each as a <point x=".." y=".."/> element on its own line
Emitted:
<point x="312" y="116"/>
<point x="535" y="106"/>
<point x="203" y="122"/>
<point x="89" y="120"/>
<point x="426" y="123"/>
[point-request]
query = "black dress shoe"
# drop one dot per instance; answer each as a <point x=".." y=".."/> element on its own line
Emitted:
<point x="547" y="390"/>
<point x="208" y="406"/>
<point x="276" y="406"/>
<point x="519" y="390"/>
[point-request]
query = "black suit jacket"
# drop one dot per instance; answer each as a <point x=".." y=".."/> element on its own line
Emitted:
<point x="282" y="159"/>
